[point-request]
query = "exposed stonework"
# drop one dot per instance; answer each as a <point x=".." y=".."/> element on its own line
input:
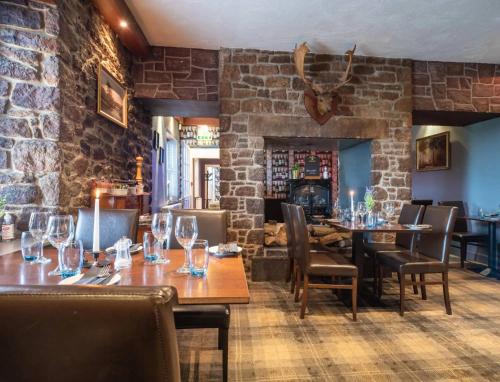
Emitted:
<point x="456" y="86"/>
<point x="178" y="73"/>
<point x="52" y="142"/>
<point x="261" y="97"/>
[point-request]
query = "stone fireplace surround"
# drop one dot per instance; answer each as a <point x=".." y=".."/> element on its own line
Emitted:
<point x="261" y="97"/>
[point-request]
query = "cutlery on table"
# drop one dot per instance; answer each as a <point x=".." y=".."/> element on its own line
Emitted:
<point x="98" y="274"/>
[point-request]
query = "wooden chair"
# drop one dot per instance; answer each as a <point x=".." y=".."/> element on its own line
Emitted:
<point x="320" y="264"/>
<point x="432" y="255"/>
<point x="461" y="233"/>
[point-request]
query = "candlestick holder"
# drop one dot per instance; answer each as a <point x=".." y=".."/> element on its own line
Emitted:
<point x="96" y="257"/>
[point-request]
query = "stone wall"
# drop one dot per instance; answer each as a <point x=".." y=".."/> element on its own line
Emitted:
<point x="178" y="73"/>
<point x="91" y="145"/>
<point x="261" y="96"/>
<point x="456" y="86"/>
<point x="52" y="142"/>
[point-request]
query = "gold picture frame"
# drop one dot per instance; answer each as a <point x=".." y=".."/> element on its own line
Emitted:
<point x="112" y="97"/>
<point x="433" y="152"/>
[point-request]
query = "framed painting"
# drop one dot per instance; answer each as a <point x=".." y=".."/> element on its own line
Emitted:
<point x="433" y="152"/>
<point x="111" y="98"/>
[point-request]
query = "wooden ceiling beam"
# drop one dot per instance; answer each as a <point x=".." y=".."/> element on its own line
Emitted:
<point x="123" y="23"/>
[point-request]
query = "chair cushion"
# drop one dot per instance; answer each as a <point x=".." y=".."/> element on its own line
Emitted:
<point x="201" y="316"/>
<point x="373" y="248"/>
<point x="329" y="264"/>
<point x="410" y="262"/>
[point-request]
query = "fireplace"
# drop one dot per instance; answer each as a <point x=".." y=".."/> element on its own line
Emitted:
<point x="314" y="195"/>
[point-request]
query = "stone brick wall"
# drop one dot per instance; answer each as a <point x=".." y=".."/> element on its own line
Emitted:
<point x="52" y="142"/>
<point x="261" y="97"/>
<point x="178" y="73"/>
<point x="456" y="86"/>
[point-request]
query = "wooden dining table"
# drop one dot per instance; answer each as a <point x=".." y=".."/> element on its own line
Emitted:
<point x="224" y="283"/>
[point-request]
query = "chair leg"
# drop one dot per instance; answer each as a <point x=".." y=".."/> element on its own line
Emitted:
<point x="297" y="283"/>
<point x="354" y="298"/>
<point x="304" y="296"/>
<point x="290" y="269"/>
<point x="401" y="294"/>
<point x="380" y="280"/>
<point x="224" y="346"/>
<point x="422" y="286"/>
<point x="293" y="278"/>
<point x="375" y="274"/>
<point x="446" y="293"/>
<point x="414" y="282"/>
<point x="463" y="253"/>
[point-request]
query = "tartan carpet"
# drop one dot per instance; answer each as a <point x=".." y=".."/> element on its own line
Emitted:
<point x="268" y="341"/>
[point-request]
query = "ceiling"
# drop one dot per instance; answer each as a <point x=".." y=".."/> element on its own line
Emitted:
<point x="442" y="30"/>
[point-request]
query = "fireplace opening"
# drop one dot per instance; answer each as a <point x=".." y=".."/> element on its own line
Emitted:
<point x="317" y="174"/>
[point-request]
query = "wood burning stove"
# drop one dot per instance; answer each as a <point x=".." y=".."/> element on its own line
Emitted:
<point x="314" y="195"/>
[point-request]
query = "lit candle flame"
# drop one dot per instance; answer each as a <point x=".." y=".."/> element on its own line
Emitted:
<point x="97" y="194"/>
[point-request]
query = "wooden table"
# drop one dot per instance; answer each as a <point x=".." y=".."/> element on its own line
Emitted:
<point x="493" y="269"/>
<point x="225" y="282"/>
<point x="359" y="232"/>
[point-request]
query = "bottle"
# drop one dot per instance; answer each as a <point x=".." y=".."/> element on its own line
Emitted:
<point x="8" y="227"/>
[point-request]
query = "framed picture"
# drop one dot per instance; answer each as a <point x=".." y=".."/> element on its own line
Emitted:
<point x="111" y="97"/>
<point x="433" y="152"/>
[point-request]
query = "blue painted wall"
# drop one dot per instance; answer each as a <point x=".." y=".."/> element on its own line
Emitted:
<point x="474" y="176"/>
<point x="354" y="172"/>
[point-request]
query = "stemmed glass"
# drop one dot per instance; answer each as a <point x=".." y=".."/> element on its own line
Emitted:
<point x="161" y="226"/>
<point x="60" y="230"/>
<point x="186" y="232"/>
<point x="38" y="229"/>
<point x="389" y="210"/>
<point x="361" y="212"/>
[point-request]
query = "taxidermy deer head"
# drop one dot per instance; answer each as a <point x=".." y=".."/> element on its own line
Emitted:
<point x="321" y="99"/>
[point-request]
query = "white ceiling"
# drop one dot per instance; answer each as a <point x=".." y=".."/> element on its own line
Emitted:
<point x="443" y="30"/>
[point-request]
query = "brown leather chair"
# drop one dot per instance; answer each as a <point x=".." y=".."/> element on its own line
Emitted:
<point x="82" y="334"/>
<point x="432" y="255"/>
<point x="212" y="225"/>
<point x="461" y="233"/>
<point x="289" y="245"/>
<point x="311" y="263"/>
<point x="410" y="214"/>
<point x="113" y="223"/>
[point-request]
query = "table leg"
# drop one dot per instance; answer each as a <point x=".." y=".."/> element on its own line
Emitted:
<point x="492" y="270"/>
<point x="358" y="255"/>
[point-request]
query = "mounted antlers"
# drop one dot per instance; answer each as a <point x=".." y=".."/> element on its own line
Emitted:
<point x="320" y="99"/>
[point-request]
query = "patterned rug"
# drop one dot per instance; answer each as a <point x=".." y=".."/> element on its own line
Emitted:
<point x="268" y="341"/>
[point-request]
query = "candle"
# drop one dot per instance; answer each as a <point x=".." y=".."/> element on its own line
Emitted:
<point x="352" y="200"/>
<point x="95" y="243"/>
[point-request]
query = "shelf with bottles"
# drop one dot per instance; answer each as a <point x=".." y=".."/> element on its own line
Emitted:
<point x="200" y="136"/>
<point x="280" y="170"/>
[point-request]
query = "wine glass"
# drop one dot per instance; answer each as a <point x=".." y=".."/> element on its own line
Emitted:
<point x="161" y="226"/>
<point x="361" y="212"/>
<point x="60" y="230"/>
<point x="38" y="229"/>
<point x="186" y="232"/>
<point x="389" y="210"/>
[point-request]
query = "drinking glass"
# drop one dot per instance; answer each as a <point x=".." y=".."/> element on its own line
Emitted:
<point x="161" y="226"/>
<point x="361" y="212"/>
<point x="30" y="247"/>
<point x="198" y="258"/>
<point x="71" y="258"/>
<point x="38" y="229"/>
<point x="389" y="210"/>
<point x="60" y="230"/>
<point x="186" y="232"/>
<point x="151" y="248"/>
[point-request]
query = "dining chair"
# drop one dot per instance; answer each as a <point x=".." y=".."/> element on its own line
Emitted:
<point x="322" y="264"/>
<point x="113" y="223"/>
<point x="461" y="233"/>
<point x="432" y="255"/>
<point x="422" y="202"/>
<point x="410" y="214"/>
<point x="82" y="334"/>
<point x="212" y="225"/>
<point x="289" y="245"/>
